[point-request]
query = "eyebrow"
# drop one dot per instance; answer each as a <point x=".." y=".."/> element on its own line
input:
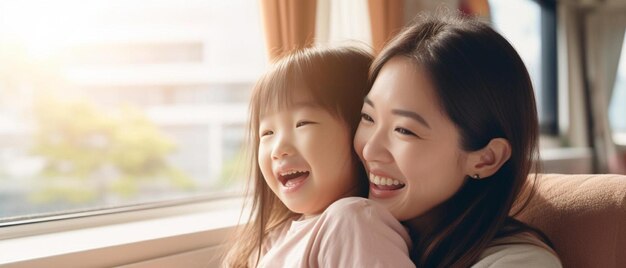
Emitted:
<point x="413" y="115"/>
<point x="307" y="104"/>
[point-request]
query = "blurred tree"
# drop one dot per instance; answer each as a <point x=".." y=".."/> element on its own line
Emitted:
<point x="89" y="152"/>
<point x="233" y="170"/>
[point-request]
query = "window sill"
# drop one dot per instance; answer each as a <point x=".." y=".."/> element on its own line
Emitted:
<point x="200" y="227"/>
<point x="572" y="160"/>
<point x="187" y="235"/>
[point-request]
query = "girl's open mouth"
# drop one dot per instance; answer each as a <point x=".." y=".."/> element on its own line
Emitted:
<point x="293" y="179"/>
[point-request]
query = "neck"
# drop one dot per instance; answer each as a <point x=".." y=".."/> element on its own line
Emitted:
<point x="422" y="226"/>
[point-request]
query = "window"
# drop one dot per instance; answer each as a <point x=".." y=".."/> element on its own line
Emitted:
<point x="111" y="103"/>
<point x="617" y="107"/>
<point x="530" y="26"/>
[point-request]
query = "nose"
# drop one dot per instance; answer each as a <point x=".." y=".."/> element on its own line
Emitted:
<point x="376" y="148"/>
<point x="283" y="147"/>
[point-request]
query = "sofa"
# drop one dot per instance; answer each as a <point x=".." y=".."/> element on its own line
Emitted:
<point x="583" y="215"/>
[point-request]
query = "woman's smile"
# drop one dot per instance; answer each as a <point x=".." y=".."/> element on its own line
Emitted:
<point x="383" y="186"/>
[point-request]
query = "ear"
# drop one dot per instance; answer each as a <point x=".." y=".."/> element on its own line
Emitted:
<point x="488" y="160"/>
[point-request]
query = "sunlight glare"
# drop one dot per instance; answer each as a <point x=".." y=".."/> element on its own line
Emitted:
<point x="42" y="27"/>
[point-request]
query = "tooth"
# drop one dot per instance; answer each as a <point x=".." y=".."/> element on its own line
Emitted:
<point x="389" y="181"/>
<point x="376" y="180"/>
<point x="395" y="182"/>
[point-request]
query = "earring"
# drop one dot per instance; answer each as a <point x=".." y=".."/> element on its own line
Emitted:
<point x="476" y="177"/>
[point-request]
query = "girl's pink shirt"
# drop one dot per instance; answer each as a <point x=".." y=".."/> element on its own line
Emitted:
<point x="351" y="232"/>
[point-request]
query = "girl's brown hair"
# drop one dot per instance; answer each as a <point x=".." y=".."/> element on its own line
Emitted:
<point x="335" y="78"/>
<point x="484" y="88"/>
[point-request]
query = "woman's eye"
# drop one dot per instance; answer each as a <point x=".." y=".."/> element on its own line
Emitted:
<point x="366" y="117"/>
<point x="266" y="133"/>
<point x="405" y="131"/>
<point x="303" y="123"/>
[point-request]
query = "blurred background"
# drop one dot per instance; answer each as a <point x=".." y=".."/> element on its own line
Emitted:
<point x="111" y="103"/>
<point x="107" y="103"/>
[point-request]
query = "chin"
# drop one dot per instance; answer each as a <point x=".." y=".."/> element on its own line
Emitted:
<point x="299" y="209"/>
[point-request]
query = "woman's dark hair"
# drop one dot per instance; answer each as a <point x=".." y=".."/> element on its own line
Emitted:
<point x="484" y="88"/>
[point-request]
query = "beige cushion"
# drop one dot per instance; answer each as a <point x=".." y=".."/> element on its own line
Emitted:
<point x="584" y="216"/>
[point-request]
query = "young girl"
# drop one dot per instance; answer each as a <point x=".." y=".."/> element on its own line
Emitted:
<point x="306" y="176"/>
<point x="451" y="121"/>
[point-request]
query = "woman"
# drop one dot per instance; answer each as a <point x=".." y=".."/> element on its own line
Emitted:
<point x="448" y="135"/>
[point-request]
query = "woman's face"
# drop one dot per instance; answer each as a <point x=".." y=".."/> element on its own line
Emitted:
<point x="409" y="146"/>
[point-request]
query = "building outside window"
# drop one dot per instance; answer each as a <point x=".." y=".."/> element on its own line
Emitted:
<point x="111" y="103"/>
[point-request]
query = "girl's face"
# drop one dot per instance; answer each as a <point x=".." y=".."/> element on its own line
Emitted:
<point x="410" y="148"/>
<point x="305" y="155"/>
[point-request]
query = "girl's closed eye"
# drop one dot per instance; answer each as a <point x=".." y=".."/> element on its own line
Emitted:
<point x="266" y="133"/>
<point x="304" y="123"/>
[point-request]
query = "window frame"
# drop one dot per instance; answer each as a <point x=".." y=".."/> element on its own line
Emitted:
<point x="124" y="237"/>
<point x="549" y="68"/>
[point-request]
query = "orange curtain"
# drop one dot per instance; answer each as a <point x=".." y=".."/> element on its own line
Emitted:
<point x="479" y="8"/>
<point x="386" y="19"/>
<point x="288" y="25"/>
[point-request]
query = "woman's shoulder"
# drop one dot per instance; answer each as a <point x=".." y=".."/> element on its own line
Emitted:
<point x="518" y="250"/>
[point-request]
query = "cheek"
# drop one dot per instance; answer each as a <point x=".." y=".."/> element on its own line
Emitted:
<point x="426" y="159"/>
<point x="336" y="160"/>
<point x="436" y="170"/>
<point x="264" y="161"/>
<point x="410" y="162"/>
<point x="360" y="139"/>
<point x="334" y="149"/>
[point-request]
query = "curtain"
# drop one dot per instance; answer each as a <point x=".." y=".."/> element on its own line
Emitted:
<point x="386" y="20"/>
<point x="604" y="35"/>
<point x="288" y="25"/>
<point x="478" y="8"/>
<point x="573" y="107"/>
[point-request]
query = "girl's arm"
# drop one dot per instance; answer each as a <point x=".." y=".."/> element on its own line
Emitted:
<point x="357" y="232"/>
